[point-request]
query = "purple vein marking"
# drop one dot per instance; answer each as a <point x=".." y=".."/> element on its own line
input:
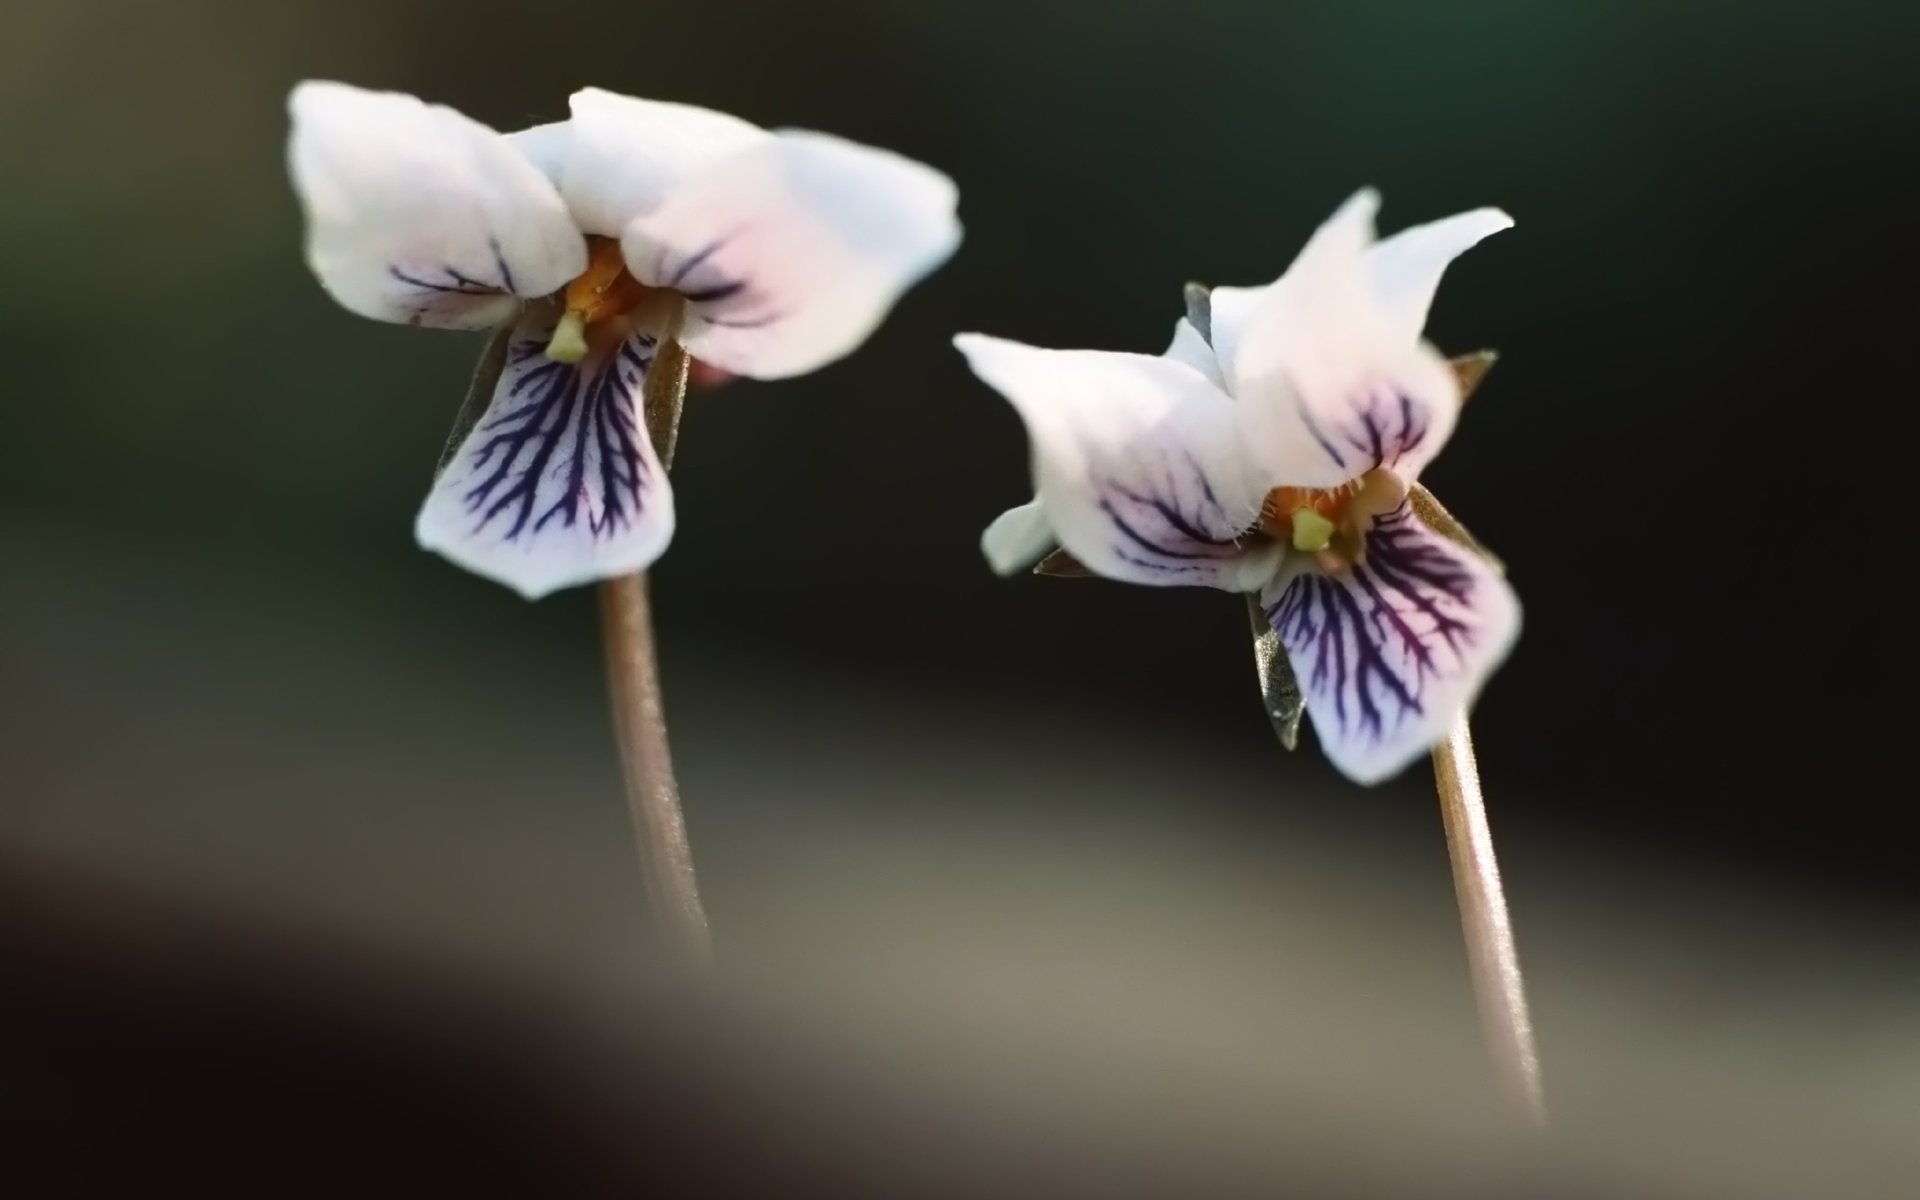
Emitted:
<point x="585" y="424"/>
<point x="1367" y="434"/>
<point x="699" y="257"/>
<point x="461" y="285"/>
<point x="719" y="291"/>
<point x="500" y="265"/>
<point x="1165" y="529"/>
<point x="1358" y="635"/>
<point x="458" y="283"/>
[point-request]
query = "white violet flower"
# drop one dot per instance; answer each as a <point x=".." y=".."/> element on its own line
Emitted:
<point x="1273" y="455"/>
<point x="765" y="253"/>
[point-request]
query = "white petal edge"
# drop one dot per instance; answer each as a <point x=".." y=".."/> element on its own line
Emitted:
<point x="1328" y="384"/>
<point x="1137" y="460"/>
<point x="556" y="484"/>
<point x="792" y="252"/>
<point x="1021" y="536"/>
<point x="1227" y="319"/>
<point x="1390" y="654"/>
<point x="1018" y="538"/>
<point x="546" y="147"/>
<point x="624" y="154"/>
<point x="1192" y="349"/>
<point x="419" y="215"/>
<point x="1405" y="269"/>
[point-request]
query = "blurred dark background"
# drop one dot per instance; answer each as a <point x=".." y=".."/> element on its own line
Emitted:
<point x="969" y="844"/>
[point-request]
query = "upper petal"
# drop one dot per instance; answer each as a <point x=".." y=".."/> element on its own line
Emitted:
<point x="1405" y="269"/>
<point x="791" y="252"/>
<point x="1330" y="384"/>
<point x="1391" y="652"/>
<point x="420" y="215"/>
<point x="622" y="154"/>
<point x="556" y="484"/>
<point x="1136" y="460"/>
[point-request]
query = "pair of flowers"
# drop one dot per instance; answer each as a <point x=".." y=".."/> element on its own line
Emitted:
<point x="1270" y="450"/>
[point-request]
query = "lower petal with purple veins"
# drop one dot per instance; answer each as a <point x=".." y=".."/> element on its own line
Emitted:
<point x="1392" y="651"/>
<point x="556" y="484"/>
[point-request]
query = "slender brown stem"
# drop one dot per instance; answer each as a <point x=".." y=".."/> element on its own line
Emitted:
<point x="1491" y="956"/>
<point x="639" y="716"/>
<point x="639" y="722"/>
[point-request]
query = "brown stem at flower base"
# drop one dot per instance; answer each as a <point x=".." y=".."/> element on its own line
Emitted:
<point x="1492" y="958"/>
<point x="639" y="716"/>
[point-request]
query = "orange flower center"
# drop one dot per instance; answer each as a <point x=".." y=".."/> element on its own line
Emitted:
<point x="606" y="288"/>
<point x="1331" y="523"/>
<point x="599" y="307"/>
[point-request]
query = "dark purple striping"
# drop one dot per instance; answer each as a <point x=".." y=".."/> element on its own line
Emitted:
<point x="458" y="285"/>
<point x="1326" y="443"/>
<point x="695" y="259"/>
<point x="1184" y="541"/>
<point x="719" y="291"/>
<point x="1367" y="434"/>
<point x="566" y="411"/>
<point x="500" y="264"/>
<point x="1354" y="636"/>
<point x="461" y="286"/>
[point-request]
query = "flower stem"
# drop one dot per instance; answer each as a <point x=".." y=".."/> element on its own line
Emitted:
<point x="639" y="718"/>
<point x="1491" y="956"/>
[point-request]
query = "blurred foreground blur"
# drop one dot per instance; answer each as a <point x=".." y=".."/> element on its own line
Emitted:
<point x="313" y="940"/>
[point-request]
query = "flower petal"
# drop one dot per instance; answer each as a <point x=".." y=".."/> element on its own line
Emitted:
<point x="556" y="484"/>
<point x="1405" y="269"/>
<point x="1018" y="538"/>
<point x="1137" y="462"/>
<point x="1191" y="348"/>
<point x="419" y="215"/>
<point x="790" y="253"/>
<point x="623" y="155"/>
<point x="1227" y="319"/>
<point x="546" y="147"/>
<point x="1330" y="384"/>
<point x="1392" y="651"/>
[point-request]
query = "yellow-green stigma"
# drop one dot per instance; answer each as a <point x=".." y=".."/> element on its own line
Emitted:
<point x="569" y="341"/>
<point x="1331" y="523"/>
<point x="597" y="306"/>
<point x="1311" y="531"/>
